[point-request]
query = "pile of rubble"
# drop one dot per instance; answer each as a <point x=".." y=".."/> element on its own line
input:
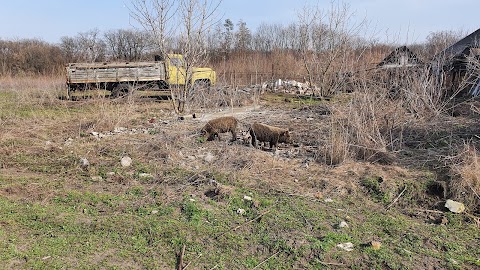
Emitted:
<point x="290" y="87"/>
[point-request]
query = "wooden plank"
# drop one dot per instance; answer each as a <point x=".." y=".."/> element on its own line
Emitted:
<point x="115" y="72"/>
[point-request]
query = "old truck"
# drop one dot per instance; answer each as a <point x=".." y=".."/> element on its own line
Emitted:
<point x="123" y="78"/>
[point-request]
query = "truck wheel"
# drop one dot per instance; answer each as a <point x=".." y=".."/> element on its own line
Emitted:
<point x="122" y="90"/>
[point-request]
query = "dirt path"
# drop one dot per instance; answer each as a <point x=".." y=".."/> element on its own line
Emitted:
<point x="239" y="112"/>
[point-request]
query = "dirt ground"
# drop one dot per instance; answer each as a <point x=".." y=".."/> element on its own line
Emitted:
<point x="426" y="148"/>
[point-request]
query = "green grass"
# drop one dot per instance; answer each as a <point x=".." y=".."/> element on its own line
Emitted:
<point x="87" y="224"/>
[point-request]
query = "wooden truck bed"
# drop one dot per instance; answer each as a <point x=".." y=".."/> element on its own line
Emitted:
<point x="115" y="72"/>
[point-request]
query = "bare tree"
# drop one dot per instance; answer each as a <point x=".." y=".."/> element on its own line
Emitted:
<point x="29" y="57"/>
<point x="157" y="17"/>
<point x="190" y="21"/>
<point x="197" y="19"/>
<point x="438" y="41"/>
<point x="127" y="45"/>
<point x="326" y="42"/>
<point x="85" y="46"/>
<point x="92" y="47"/>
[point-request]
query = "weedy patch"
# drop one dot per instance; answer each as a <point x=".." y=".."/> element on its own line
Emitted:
<point x="219" y="204"/>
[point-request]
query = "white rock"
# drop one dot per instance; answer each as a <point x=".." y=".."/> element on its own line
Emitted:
<point x="346" y="246"/>
<point x="145" y="175"/>
<point x="84" y="162"/>
<point x="455" y="207"/>
<point x="209" y="157"/>
<point x="97" y="178"/>
<point x="328" y="200"/>
<point x="126" y="161"/>
<point x="247" y="198"/>
<point x="240" y="211"/>
<point x="154" y="211"/>
<point x="343" y="224"/>
<point x="120" y="129"/>
<point x="94" y="133"/>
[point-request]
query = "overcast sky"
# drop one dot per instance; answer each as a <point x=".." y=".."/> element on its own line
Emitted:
<point x="398" y="21"/>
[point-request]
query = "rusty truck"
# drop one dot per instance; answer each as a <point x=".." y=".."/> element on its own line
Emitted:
<point x="123" y="78"/>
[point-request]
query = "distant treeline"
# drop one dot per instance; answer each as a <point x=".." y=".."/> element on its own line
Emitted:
<point x="225" y="43"/>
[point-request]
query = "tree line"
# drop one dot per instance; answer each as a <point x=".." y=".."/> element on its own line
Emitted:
<point x="224" y="41"/>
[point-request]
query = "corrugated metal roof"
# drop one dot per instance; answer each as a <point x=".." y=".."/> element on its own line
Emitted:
<point x="472" y="40"/>
<point x="400" y="57"/>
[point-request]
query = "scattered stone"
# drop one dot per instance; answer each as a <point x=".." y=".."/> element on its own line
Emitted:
<point x="240" y="211"/>
<point x="455" y="207"/>
<point x="119" y="129"/>
<point x="209" y="157"/>
<point x="84" y="163"/>
<point x="97" y="178"/>
<point x="111" y="173"/>
<point x="376" y="245"/>
<point x="192" y="199"/>
<point x="68" y="141"/>
<point x="145" y="175"/>
<point x="154" y="212"/>
<point x="343" y="224"/>
<point x="191" y="157"/>
<point x="453" y="261"/>
<point x="126" y="161"/>
<point x="328" y="200"/>
<point x="346" y="246"/>
<point x="247" y="198"/>
<point x="94" y="133"/>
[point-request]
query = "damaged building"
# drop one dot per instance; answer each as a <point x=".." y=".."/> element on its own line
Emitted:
<point x="398" y="68"/>
<point x="458" y="67"/>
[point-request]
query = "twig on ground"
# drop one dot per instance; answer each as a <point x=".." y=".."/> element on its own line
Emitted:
<point x="396" y="199"/>
<point x="429" y="211"/>
<point x="180" y="258"/>
<point x="473" y="190"/>
<point x="266" y="259"/>
<point x="331" y="263"/>
<point x="475" y="218"/>
<point x="199" y="255"/>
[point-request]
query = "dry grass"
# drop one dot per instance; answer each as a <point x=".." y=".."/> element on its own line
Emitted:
<point x="365" y="128"/>
<point x="41" y="167"/>
<point x="465" y="183"/>
<point x="34" y="90"/>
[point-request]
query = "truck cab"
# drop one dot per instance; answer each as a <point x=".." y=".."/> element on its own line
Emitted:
<point x="175" y="65"/>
